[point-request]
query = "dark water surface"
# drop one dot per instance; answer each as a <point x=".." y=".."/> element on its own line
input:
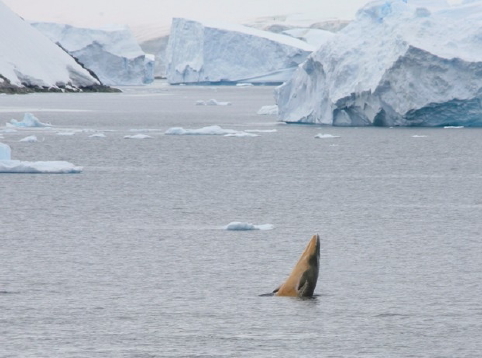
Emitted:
<point x="129" y="258"/>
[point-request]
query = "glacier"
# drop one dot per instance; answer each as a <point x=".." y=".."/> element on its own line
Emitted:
<point x="31" y="62"/>
<point x="399" y="63"/>
<point x="111" y="52"/>
<point x="199" y="53"/>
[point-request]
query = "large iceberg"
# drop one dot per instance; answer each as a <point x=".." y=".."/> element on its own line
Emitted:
<point x="398" y="63"/>
<point x="228" y="53"/>
<point x="31" y="62"/>
<point x="111" y="52"/>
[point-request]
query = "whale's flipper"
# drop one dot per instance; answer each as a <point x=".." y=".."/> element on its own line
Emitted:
<point x="302" y="280"/>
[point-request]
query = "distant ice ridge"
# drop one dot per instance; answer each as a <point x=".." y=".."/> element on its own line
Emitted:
<point x="29" y="61"/>
<point x="210" y="130"/>
<point x="111" y="52"/>
<point x="29" y="120"/>
<point x="413" y="63"/>
<point x="7" y="165"/>
<point x="227" y="53"/>
<point x="244" y="226"/>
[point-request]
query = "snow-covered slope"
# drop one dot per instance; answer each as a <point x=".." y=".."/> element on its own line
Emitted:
<point x="30" y="60"/>
<point x="112" y="52"/>
<point x="397" y="64"/>
<point x="222" y="53"/>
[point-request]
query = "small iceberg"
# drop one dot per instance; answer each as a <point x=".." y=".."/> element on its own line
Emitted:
<point x="137" y="136"/>
<point x="241" y="134"/>
<point x="268" y="110"/>
<point x="323" y="136"/>
<point x="453" y="127"/>
<point x="29" y="120"/>
<point x="97" y="135"/>
<point x="7" y="165"/>
<point x="244" y="226"/>
<point x="212" y="102"/>
<point x="419" y="136"/>
<point x="30" y="139"/>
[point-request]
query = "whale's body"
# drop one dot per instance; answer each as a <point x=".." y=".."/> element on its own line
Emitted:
<point x="302" y="280"/>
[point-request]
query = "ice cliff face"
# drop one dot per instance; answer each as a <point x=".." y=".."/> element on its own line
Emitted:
<point x="220" y="53"/>
<point x="30" y="61"/>
<point x="112" y="53"/>
<point x="396" y="64"/>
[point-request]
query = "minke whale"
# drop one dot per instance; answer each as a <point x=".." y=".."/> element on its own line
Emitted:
<point x="302" y="280"/>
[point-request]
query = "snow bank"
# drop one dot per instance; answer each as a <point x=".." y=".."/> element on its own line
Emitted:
<point x="244" y="226"/>
<point x="29" y="60"/>
<point x="268" y="110"/>
<point x="111" y="52"/>
<point x="397" y="64"/>
<point x="227" y="53"/>
<point x="29" y="120"/>
<point x="212" y="102"/>
<point x="7" y="165"/>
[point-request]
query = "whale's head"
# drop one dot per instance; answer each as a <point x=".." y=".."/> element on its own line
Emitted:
<point x="302" y="280"/>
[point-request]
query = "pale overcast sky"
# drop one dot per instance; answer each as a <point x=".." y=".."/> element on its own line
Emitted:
<point x="138" y="12"/>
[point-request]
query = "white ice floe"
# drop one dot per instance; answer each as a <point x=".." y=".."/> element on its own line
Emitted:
<point x="241" y="134"/>
<point x="7" y="165"/>
<point x="419" y="136"/>
<point x="210" y="130"/>
<point x="29" y="120"/>
<point x="244" y="84"/>
<point x="261" y="130"/>
<point x="97" y="135"/>
<point x="268" y="110"/>
<point x="137" y="136"/>
<point x="453" y="127"/>
<point x="326" y="135"/>
<point x="31" y="138"/>
<point x="244" y="226"/>
<point x="66" y="133"/>
<point x="212" y="102"/>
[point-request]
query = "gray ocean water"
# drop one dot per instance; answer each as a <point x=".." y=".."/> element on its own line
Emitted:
<point x="130" y="259"/>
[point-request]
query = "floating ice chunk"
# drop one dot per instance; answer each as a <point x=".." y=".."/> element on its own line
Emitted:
<point x="261" y="130"/>
<point x="244" y="84"/>
<point x="5" y="151"/>
<point x="52" y="167"/>
<point x="453" y="127"/>
<point x="212" y="102"/>
<point x="65" y="133"/>
<point x="210" y="130"/>
<point x="7" y="165"/>
<point x="31" y="138"/>
<point x="97" y="135"/>
<point x="244" y="226"/>
<point x="29" y="120"/>
<point x="241" y="134"/>
<point x="268" y="110"/>
<point x="418" y="136"/>
<point x="137" y="136"/>
<point x="323" y="136"/>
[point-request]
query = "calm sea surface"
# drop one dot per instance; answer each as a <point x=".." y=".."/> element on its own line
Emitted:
<point x="130" y="259"/>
